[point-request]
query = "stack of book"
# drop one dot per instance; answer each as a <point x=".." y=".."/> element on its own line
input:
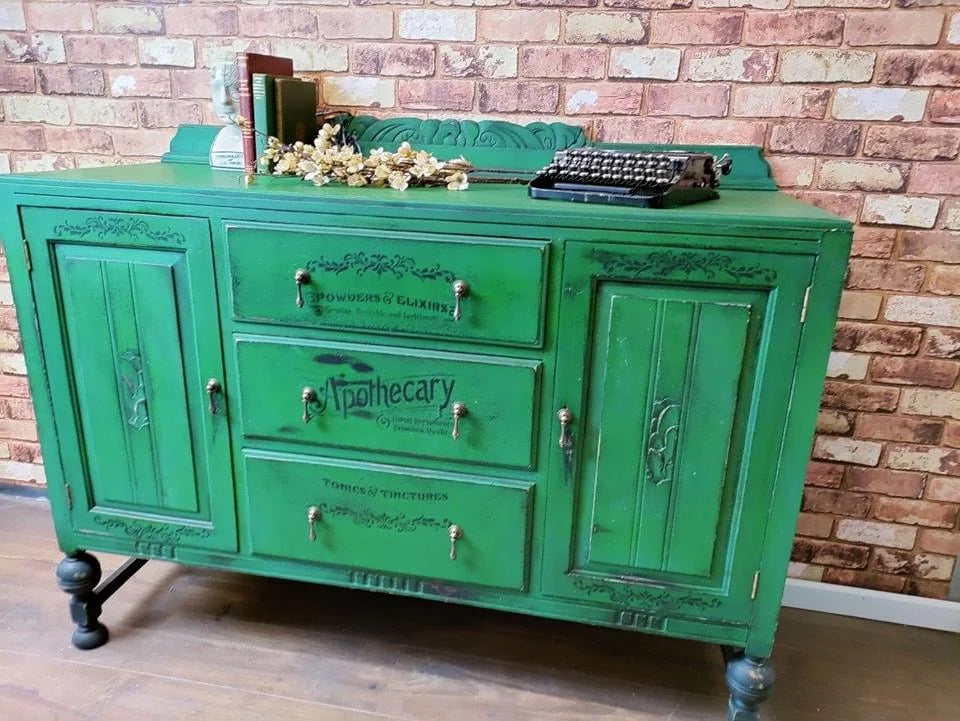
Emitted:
<point x="274" y="103"/>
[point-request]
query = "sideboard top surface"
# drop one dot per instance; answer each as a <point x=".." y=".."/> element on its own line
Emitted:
<point x="499" y="203"/>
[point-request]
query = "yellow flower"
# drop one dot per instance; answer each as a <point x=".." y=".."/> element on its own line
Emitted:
<point x="286" y="164"/>
<point x="458" y="181"/>
<point x="378" y="156"/>
<point x="425" y="166"/>
<point x="356" y="180"/>
<point x="399" y="180"/>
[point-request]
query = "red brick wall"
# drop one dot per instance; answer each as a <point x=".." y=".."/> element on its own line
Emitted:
<point x="857" y="103"/>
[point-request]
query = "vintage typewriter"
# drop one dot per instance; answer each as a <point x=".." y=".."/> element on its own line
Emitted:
<point x="644" y="179"/>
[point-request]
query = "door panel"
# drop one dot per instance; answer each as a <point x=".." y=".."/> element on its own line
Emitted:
<point x="123" y="350"/>
<point x="665" y="406"/>
<point x="128" y="317"/>
<point x="677" y="366"/>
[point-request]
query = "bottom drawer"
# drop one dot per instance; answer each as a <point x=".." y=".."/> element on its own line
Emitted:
<point x="385" y="519"/>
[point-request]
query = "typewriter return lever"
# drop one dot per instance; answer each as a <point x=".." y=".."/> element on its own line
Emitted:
<point x="723" y="164"/>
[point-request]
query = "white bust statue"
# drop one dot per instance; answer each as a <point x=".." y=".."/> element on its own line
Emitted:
<point x="227" y="149"/>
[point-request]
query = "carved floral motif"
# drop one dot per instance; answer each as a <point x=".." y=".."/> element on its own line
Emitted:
<point x="133" y="389"/>
<point x="662" y="442"/>
<point x="467" y="133"/>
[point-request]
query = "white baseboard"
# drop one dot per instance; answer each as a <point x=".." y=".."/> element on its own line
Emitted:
<point x="873" y="605"/>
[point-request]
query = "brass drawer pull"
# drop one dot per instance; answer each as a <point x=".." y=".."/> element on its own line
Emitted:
<point x="565" y="416"/>
<point x="308" y="396"/>
<point x="460" y="290"/>
<point x="313" y="515"/>
<point x="213" y="388"/>
<point x="456" y="533"/>
<point x="459" y="411"/>
<point x="301" y="277"/>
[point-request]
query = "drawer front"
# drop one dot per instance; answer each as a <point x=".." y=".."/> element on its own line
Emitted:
<point x="382" y="519"/>
<point x="398" y="400"/>
<point x="392" y="283"/>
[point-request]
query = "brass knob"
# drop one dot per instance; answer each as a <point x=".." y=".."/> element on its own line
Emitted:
<point x="565" y="416"/>
<point x="313" y="515"/>
<point x="213" y="388"/>
<point x="459" y="411"/>
<point x="456" y="533"/>
<point x="460" y="290"/>
<point x="301" y="277"/>
<point x="308" y="396"/>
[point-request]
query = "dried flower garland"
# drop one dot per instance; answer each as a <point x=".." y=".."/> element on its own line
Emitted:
<point x="325" y="161"/>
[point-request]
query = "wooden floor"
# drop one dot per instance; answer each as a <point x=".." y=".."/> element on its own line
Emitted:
<point x="196" y="644"/>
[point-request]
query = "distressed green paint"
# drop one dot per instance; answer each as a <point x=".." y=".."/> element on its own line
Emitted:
<point x="397" y="401"/>
<point x="129" y="375"/>
<point x="492" y="145"/>
<point x="128" y="316"/>
<point x="663" y="408"/>
<point x="385" y="519"/>
<point x="619" y="314"/>
<point x="642" y="329"/>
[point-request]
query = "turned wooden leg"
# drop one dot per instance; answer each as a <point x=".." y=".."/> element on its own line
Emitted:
<point x="750" y="681"/>
<point x="78" y="574"/>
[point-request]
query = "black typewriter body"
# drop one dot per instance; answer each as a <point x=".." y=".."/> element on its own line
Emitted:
<point x="642" y="179"/>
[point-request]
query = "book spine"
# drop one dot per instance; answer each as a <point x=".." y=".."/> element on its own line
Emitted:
<point x="263" y="113"/>
<point x="245" y="98"/>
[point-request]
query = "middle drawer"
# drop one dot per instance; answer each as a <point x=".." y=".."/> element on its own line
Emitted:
<point x="398" y="400"/>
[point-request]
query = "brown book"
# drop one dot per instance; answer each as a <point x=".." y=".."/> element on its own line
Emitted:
<point x="247" y="65"/>
<point x="296" y="110"/>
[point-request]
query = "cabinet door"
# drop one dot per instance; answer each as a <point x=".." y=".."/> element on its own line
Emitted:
<point x="128" y="318"/>
<point x="676" y="366"/>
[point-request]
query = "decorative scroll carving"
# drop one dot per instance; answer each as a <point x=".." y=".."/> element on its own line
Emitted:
<point x="467" y="133"/>
<point x="662" y="442"/>
<point x="143" y="548"/>
<point x="661" y="600"/>
<point x="112" y="226"/>
<point x="400" y="522"/>
<point x="667" y="262"/>
<point x="149" y="532"/>
<point x="397" y="265"/>
<point x="639" y="620"/>
<point x="133" y="394"/>
<point x="383" y="580"/>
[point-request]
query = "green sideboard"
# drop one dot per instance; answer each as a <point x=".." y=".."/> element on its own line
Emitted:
<point x="270" y="378"/>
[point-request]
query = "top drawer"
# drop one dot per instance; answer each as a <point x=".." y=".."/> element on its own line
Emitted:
<point x="392" y="283"/>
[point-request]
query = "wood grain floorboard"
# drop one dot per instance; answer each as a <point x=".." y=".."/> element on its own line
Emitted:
<point x="198" y="644"/>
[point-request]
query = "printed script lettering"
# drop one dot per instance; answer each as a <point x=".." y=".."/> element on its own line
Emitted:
<point x="373" y="491"/>
<point x="376" y="394"/>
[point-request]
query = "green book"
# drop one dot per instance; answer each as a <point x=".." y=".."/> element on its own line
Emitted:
<point x="296" y="109"/>
<point x="264" y="110"/>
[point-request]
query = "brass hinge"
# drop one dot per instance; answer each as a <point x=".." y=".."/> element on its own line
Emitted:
<point x="806" y="301"/>
<point x="26" y="253"/>
<point x="756" y="582"/>
<point x="69" y="494"/>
